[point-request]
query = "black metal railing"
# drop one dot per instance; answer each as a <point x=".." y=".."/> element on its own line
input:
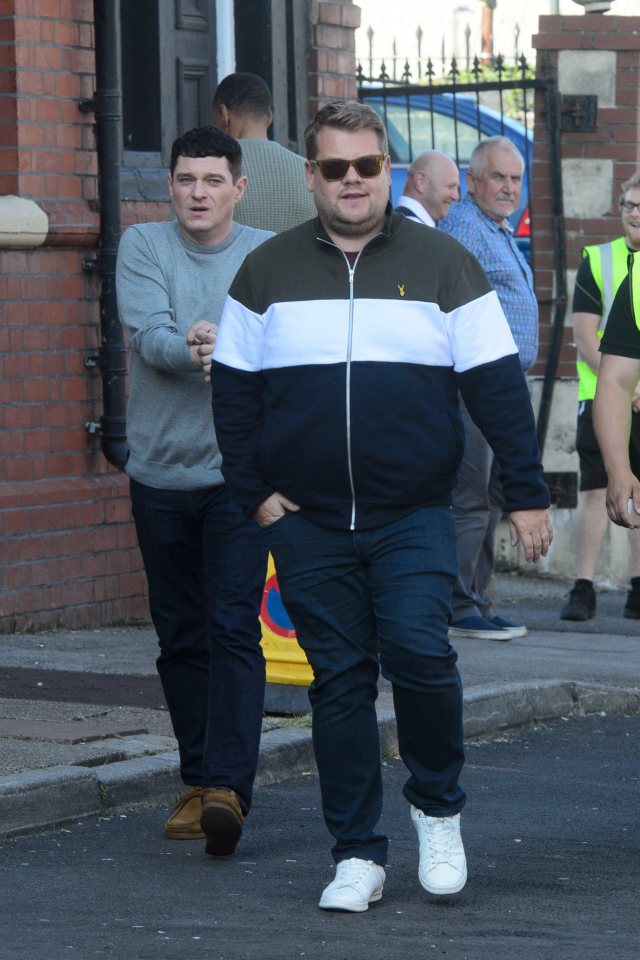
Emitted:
<point x="396" y="63"/>
<point x="509" y="90"/>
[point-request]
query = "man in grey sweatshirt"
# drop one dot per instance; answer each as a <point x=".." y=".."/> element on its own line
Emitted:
<point x="205" y="563"/>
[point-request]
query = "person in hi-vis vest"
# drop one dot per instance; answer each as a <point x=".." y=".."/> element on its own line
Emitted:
<point x="602" y="270"/>
<point x="618" y="379"/>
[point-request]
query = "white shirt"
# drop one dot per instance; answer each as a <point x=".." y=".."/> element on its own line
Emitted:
<point x="418" y="211"/>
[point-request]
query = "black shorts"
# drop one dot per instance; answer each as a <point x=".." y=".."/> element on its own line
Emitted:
<point x="593" y="475"/>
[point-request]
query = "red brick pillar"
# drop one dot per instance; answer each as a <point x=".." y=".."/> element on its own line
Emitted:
<point x="46" y="68"/>
<point x="68" y="545"/>
<point x="332" y="56"/>
<point x="8" y="108"/>
<point x="588" y="54"/>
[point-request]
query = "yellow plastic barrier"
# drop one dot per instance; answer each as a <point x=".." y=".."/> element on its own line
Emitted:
<point x="286" y="662"/>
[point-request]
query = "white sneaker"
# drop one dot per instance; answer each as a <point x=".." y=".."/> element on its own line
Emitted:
<point x="357" y="883"/>
<point x="443" y="865"/>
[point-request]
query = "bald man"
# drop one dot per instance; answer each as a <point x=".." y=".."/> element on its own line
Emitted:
<point x="432" y="185"/>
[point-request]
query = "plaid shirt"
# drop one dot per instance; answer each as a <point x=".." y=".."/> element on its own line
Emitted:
<point x="495" y="248"/>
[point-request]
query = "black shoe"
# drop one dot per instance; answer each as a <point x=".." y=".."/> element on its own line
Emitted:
<point x="632" y="606"/>
<point x="581" y="604"/>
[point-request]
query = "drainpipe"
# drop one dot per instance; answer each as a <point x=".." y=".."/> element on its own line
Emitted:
<point x="560" y="258"/>
<point x="106" y="105"/>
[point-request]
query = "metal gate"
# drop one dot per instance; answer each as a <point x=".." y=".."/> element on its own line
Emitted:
<point x="452" y="114"/>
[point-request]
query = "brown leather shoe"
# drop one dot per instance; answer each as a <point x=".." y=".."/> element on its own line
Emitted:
<point x="184" y="819"/>
<point x="221" y="820"/>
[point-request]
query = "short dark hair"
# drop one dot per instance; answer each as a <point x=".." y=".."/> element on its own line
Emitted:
<point x="244" y="93"/>
<point x="207" y="142"/>
<point x="345" y="115"/>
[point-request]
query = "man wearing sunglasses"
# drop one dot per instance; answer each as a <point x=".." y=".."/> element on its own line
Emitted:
<point x="336" y="372"/>
<point x="602" y="269"/>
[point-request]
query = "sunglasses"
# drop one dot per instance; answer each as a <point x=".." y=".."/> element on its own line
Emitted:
<point x="366" y="167"/>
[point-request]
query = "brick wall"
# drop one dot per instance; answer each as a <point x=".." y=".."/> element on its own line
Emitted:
<point x="8" y="110"/>
<point x="589" y="54"/>
<point x="67" y="545"/>
<point x="68" y="552"/>
<point x="332" y="57"/>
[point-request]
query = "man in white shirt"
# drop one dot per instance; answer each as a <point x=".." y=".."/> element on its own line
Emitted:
<point x="432" y="185"/>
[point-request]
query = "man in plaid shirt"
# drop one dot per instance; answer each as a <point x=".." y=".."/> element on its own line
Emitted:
<point x="479" y="222"/>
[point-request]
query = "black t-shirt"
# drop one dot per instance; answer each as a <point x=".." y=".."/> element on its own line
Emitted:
<point x="586" y="295"/>
<point x="621" y="335"/>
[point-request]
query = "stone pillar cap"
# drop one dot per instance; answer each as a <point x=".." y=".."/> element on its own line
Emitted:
<point x="595" y="6"/>
<point x="23" y="223"/>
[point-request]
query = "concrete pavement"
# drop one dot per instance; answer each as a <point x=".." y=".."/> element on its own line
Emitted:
<point x="84" y="731"/>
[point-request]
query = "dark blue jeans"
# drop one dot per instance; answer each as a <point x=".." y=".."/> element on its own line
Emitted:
<point x="361" y="601"/>
<point x="205" y="566"/>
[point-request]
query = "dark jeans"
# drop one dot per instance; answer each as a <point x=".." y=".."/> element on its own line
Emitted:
<point x="206" y="566"/>
<point x="361" y="601"/>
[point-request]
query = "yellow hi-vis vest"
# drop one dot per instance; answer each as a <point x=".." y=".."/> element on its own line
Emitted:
<point x="608" y="262"/>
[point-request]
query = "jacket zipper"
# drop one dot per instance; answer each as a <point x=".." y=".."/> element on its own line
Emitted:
<point x="352" y="270"/>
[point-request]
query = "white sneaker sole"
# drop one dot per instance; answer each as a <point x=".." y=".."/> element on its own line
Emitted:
<point x="444" y="891"/>
<point x="348" y="906"/>
<point x="502" y="635"/>
<point x="518" y="631"/>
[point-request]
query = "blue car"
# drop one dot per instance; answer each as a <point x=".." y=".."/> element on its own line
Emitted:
<point x="440" y="121"/>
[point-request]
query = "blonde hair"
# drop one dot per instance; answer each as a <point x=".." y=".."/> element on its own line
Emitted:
<point x="629" y="184"/>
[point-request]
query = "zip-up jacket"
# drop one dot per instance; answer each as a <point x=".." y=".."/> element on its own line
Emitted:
<point x="338" y="386"/>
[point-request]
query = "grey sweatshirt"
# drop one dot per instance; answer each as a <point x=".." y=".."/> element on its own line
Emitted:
<point x="165" y="283"/>
<point x="276" y="197"/>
